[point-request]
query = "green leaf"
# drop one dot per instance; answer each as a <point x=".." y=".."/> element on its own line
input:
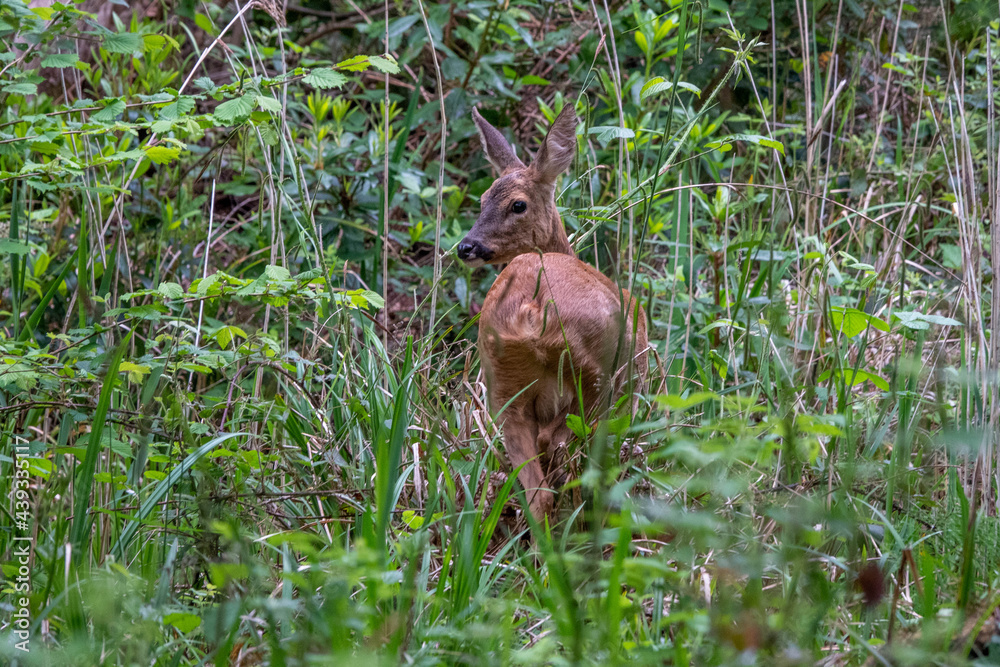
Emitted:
<point x="360" y="298"/>
<point x="122" y="42"/>
<point x="235" y="111"/>
<point x="324" y="78"/>
<point x="184" y="622"/>
<point x="43" y="12"/>
<point x="852" y="378"/>
<point x="897" y="68"/>
<point x="579" y="428"/>
<point x="161" y="154"/>
<point x="412" y="519"/>
<point x="276" y="272"/>
<point x="136" y="372"/>
<point x="13" y="247"/>
<point x="659" y="84"/>
<point x="355" y="64"/>
<point x="110" y="112"/>
<point x="920" y="322"/>
<point x="171" y="290"/>
<point x="642" y="43"/>
<point x="45" y="147"/>
<point x="40" y="467"/>
<point x="20" y="88"/>
<point x="851" y="321"/>
<point x="385" y="64"/>
<point x="60" y="60"/>
<point x="123" y="156"/>
<point x="606" y="133"/>
<point x="673" y="402"/>
<point x="204" y="23"/>
<point x="152" y="43"/>
<point x="759" y="140"/>
<point x="268" y="103"/>
<point x="178" y="108"/>
<point x="533" y="80"/>
<point x="721" y="146"/>
<point x="226" y="335"/>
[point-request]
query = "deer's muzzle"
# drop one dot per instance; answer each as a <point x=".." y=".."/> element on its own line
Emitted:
<point x="473" y="252"/>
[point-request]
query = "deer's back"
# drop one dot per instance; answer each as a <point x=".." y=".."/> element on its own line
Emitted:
<point x="548" y="316"/>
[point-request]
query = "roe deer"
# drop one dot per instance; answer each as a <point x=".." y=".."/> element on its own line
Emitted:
<point x="545" y="303"/>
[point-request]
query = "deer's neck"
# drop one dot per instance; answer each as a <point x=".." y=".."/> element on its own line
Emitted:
<point x="558" y="241"/>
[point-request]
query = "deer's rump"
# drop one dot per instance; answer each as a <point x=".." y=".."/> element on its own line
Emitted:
<point x="549" y="322"/>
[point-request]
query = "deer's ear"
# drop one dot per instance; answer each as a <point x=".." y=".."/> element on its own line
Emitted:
<point x="559" y="148"/>
<point x="498" y="151"/>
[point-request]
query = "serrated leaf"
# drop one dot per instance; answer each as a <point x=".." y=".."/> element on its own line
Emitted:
<point x="161" y="154"/>
<point x="134" y="154"/>
<point x="226" y="335"/>
<point x="45" y="147"/>
<point x="41" y="185"/>
<point x="170" y="290"/>
<point x="771" y="143"/>
<point x="177" y="108"/>
<point x="606" y="133"/>
<point x="135" y="371"/>
<point x="60" y="60"/>
<point x="276" y="272"/>
<point x="386" y="64"/>
<point x="659" y="84"/>
<point x="122" y="42"/>
<point x="324" y="78"/>
<point x="920" y="322"/>
<point x="110" y="112"/>
<point x="43" y="12"/>
<point x="268" y="103"/>
<point x="849" y="321"/>
<point x="360" y="298"/>
<point x="355" y="64"/>
<point x="22" y="88"/>
<point x="941" y="321"/>
<point x="236" y="110"/>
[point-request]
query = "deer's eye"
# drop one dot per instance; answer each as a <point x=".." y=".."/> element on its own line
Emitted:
<point x="519" y="206"/>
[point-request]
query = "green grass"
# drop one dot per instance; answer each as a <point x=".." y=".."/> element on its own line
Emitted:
<point x="241" y="425"/>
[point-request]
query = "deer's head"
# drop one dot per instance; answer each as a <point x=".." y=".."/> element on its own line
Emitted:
<point x="518" y="213"/>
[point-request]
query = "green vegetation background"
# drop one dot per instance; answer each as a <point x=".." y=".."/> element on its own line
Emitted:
<point x="241" y="416"/>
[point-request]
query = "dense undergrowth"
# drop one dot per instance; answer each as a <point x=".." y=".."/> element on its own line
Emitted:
<point x="241" y="409"/>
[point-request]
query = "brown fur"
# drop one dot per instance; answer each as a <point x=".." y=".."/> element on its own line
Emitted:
<point x="550" y="322"/>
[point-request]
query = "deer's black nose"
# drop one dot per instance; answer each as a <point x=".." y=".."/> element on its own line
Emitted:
<point x="470" y="251"/>
<point x="467" y="250"/>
